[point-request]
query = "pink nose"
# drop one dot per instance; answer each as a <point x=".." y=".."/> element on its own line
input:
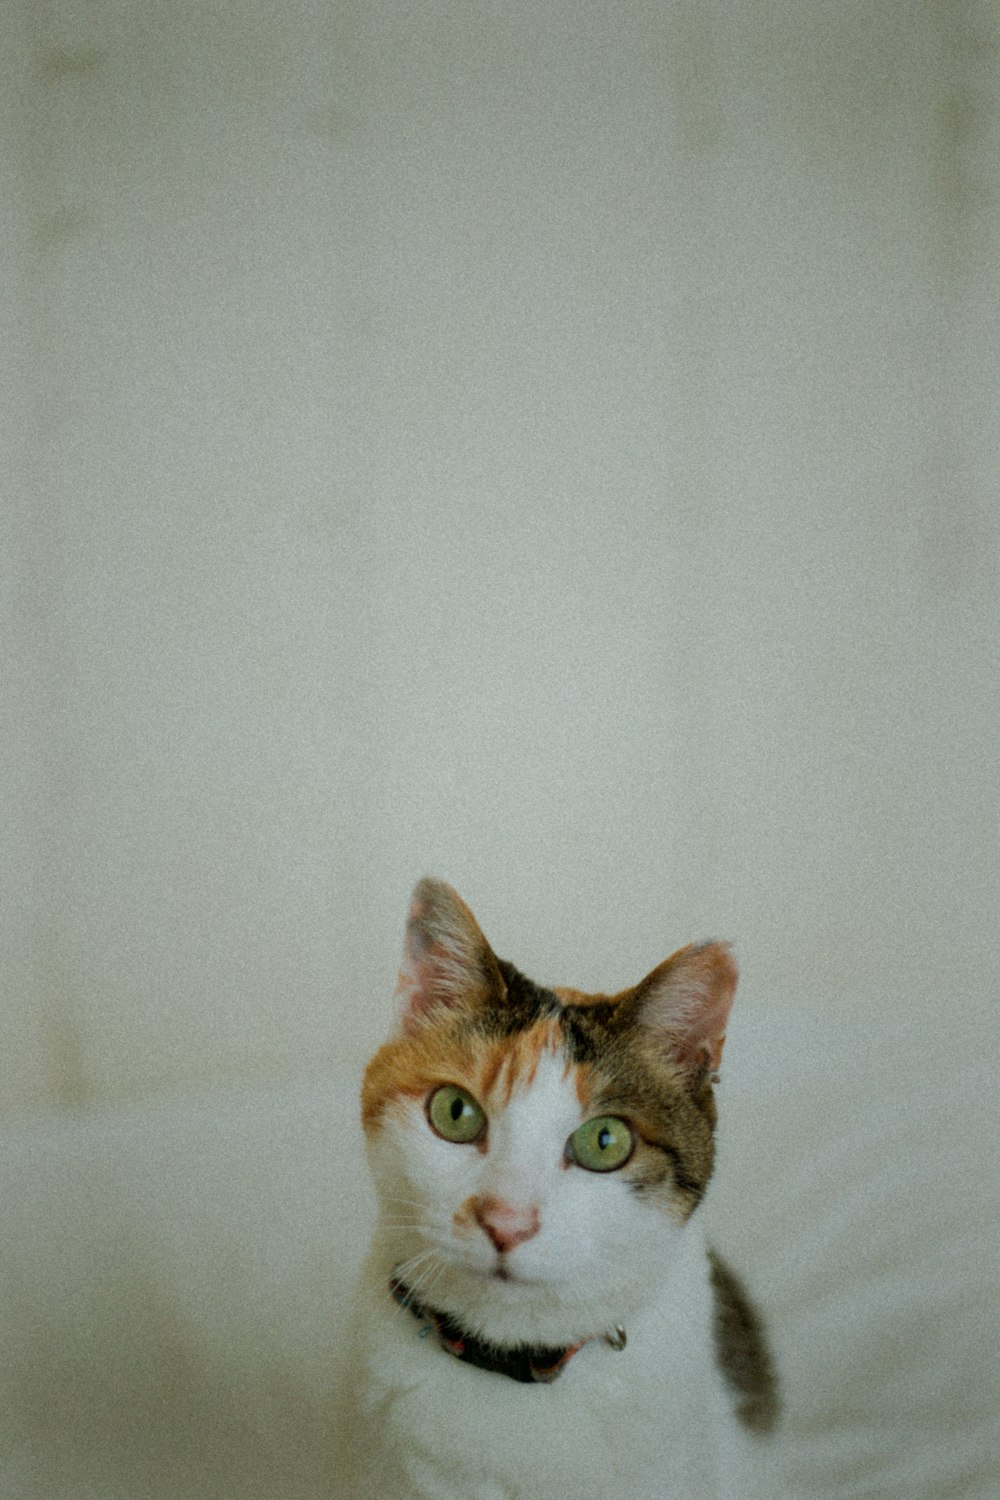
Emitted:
<point x="506" y="1225"/>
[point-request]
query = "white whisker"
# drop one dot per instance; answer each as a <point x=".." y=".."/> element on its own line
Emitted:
<point x="415" y="1271"/>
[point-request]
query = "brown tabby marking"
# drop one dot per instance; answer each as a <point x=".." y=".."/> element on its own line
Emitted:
<point x="742" y="1350"/>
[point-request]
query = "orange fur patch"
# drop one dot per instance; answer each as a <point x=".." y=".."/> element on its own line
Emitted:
<point x="521" y="1055"/>
<point x="410" y="1067"/>
<point x="464" y="1217"/>
<point x="567" y="996"/>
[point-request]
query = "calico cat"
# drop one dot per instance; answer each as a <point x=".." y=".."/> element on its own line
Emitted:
<point x="539" y="1316"/>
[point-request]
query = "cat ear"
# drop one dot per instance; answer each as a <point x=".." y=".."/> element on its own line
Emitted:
<point x="686" y="1001"/>
<point x="446" y="959"/>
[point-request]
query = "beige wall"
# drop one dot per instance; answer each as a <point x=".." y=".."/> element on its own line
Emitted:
<point x="550" y="446"/>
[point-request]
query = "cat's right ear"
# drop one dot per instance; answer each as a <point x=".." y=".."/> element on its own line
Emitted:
<point x="447" y="962"/>
<point x="684" y="1004"/>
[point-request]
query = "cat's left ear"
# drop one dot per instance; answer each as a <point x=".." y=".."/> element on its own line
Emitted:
<point x="685" y="1002"/>
<point x="447" y="962"/>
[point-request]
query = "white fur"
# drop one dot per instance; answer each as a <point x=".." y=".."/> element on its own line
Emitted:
<point x="652" y="1422"/>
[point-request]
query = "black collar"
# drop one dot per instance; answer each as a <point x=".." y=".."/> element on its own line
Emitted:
<point x="527" y="1364"/>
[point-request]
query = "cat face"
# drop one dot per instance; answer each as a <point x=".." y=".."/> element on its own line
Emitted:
<point x="537" y="1152"/>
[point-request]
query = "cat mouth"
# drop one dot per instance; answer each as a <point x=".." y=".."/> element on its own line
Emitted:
<point x="500" y="1272"/>
<point x="503" y="1273"/>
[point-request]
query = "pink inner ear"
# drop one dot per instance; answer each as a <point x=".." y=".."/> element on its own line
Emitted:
<point x="419" y="986"/>
<point x="688" y="1000"/>
<point x="444" y="953"/>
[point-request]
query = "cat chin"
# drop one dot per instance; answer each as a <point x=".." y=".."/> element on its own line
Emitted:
<point x="516" y="1281"/>
<point x="515" y="1310"/>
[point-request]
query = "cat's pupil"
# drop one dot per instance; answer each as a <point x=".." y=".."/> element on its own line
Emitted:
<point x="457" y="1107"/>
<point x="604" y="1139"/>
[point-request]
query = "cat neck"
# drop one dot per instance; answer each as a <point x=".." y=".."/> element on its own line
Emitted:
<point x="528" y="1364"/>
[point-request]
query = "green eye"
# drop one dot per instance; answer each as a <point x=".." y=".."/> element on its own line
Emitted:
<point x="601" y="1145"/>
<point x="455" y="1115"/>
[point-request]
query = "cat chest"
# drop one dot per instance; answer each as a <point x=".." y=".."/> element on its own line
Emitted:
<point x="457" y="1431"/>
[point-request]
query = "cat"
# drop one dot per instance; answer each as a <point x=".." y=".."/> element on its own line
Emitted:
<point x="539" y="1316"/>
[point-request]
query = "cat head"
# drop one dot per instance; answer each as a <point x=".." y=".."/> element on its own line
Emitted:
<point x="538" y="1151"/>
